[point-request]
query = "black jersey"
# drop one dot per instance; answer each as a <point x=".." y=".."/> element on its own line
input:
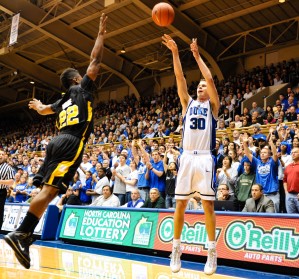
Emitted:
<point x="75" y="112"/>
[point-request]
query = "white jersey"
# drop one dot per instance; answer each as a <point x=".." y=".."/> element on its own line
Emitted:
<point x="199" y="128"/>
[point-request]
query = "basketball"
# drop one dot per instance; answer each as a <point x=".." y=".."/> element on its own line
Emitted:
<point x="163" y="14"/>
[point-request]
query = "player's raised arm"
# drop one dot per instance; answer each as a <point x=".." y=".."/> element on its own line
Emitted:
<point x="97" y="51"/>
<point x="40" y="107"/>
<point x="211" y="89"/>
<point x="178" y="71"/>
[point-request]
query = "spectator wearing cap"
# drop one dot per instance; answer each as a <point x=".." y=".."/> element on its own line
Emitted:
<point x="155" y="173"/>
<point x="259" y="202"/>
<point x="118" y="176"/>
<point x="266" y="170"/>
<point x="243" y="186"/>
<point x="261" y="140"/>
<point x="291" y="183"/>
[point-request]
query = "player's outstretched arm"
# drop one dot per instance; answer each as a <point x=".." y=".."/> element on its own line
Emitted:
<point x="178" y="71"/>
<point x="211" y="88"/>
<point x="40" y="108"/>
<point x="97" y="51"/>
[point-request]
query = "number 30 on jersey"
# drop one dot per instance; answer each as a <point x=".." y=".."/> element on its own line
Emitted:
<point x="198" y="123"/>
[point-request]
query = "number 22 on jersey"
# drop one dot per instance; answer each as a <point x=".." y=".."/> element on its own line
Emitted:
<point x="69" y="116"/>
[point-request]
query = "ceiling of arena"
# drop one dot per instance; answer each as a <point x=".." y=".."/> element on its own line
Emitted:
<point x="56" y="34"/>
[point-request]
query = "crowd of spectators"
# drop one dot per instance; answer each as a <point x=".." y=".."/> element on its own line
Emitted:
<point x="141" y="171"/>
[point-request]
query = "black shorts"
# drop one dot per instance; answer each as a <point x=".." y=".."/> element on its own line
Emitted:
<point x="63" y="157"/>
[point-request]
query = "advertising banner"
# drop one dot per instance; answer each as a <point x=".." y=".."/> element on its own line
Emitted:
<point x="263" y="239"/>
<point x="259" y="239"/>
<point x="129" y="228"/>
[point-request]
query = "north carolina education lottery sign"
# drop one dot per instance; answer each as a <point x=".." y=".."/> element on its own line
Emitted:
<point x="129" y="228"/>
<point x="267" y="240"/>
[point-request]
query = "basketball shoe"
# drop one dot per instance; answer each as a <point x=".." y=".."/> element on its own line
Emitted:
<point x="175" y="259"/>
<point x="211" y="264"/>
<point x="20" y="242"/>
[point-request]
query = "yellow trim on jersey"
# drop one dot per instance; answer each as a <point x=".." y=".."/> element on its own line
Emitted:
<point x="89" y="109"/>
<point x="64" y="166"/>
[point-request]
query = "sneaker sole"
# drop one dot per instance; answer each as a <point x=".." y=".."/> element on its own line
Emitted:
<point x="22" y="260"/>
<point x="175" y="271"/>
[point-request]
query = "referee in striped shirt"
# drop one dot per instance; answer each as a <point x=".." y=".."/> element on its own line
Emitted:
<point x="6" y="180"/>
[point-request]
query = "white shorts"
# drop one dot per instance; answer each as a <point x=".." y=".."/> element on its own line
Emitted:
<point x="195" y="176"/>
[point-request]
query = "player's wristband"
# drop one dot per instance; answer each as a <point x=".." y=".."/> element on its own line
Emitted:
<point x="152" y="168"/>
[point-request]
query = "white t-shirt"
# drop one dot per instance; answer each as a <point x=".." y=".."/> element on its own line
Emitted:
<point x="112" y="201"/>
<point x="132" y="175"/>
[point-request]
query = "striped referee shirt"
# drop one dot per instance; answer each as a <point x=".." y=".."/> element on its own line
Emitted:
<point x="6" y="173"/>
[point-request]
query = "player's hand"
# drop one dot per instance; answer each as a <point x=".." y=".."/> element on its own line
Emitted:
<point x="103" y="20"/>
<point x="34" y="104"/>
<point x="194" y="48"/>
<point x="169" y="42"/>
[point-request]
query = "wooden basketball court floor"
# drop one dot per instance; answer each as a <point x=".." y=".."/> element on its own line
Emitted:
<point x="53" y="260"/>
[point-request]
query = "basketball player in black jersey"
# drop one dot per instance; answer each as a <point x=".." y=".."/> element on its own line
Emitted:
<point x="64" y="152"/>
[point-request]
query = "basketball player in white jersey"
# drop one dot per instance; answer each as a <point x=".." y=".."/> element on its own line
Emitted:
<point x="196" y="172"/>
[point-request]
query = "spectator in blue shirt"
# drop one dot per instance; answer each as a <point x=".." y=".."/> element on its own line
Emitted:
<point x="20" y="190"/>
<point x="84" y="198"/>
<point x="266" y="170"/>
<point x="141" y="160"/>
<point x="155" y="173"/>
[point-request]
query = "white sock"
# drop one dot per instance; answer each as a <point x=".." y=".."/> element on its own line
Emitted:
<point x="176" y="242"/>
<point x="211" y="244"/>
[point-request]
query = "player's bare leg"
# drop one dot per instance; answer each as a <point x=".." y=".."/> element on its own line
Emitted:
<point x="175" y="262"/>
<point x="210" y="220"/>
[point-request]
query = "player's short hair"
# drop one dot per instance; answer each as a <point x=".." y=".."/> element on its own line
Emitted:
<point x="67" y="77"/>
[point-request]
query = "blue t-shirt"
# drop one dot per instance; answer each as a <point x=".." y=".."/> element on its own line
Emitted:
<point x="154" y="180"/>
<point x="20" y="197"/>
<point x="267" y="174"/>
<point x="142" y="181"/>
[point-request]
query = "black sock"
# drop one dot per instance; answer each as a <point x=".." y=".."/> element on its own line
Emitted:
<point x="29" y="223"/>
